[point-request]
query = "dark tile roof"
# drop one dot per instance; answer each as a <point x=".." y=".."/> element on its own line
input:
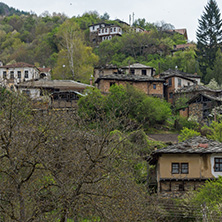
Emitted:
<point x="196" y="88"/>
<point x="211" y="97"/>
<point x="137" y="66"/>
<point x="195" y="145"/>
<point x="18" y="65"/>
<point x="62" y="84"/>
<point x="125" y="77"/>
<point x="171" y="72"/>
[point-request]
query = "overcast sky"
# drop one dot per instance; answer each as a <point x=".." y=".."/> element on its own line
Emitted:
<point x="180" y="13"/>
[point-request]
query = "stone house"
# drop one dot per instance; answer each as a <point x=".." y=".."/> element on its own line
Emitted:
<point x="148" y="85"/>
<point x="193" y="90"/>
<point x="201" y="105"/>
<point x="133" y="69"/>
<point x="59" y="93"/>
<point x="200" y="101"/>
<point x="175" y="80"/>
<point x="186" y="165"/>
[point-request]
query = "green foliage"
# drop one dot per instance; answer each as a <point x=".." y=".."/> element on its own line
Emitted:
<point x="209" y="197"/>
<point x="180" y="103"/>
<point x="126" y="104"/>
<point x="77" y="58"/>
<point x="216" y="71"/>
<point x="187" y="134"/>
<point x="181" y="122"/>
<point x="184" y="60"/>
<point x="91" y="106"/>
<point x="215" y="131"/>
<point x="209" y="38"/>
<point x="213" y="84"/>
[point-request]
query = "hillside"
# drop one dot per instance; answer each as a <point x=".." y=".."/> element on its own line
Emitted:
<point x="5" y="10"/>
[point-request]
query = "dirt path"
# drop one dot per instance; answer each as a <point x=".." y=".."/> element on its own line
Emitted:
<point x="164" y="137"/>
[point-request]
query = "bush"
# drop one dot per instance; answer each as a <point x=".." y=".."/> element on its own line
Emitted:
<point x="187" y="134"/>
<point x="182" y="122"/>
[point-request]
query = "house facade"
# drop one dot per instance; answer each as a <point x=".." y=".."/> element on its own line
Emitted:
<point x="148" y="85"/>
<point x="60" y="93"/>
<point x="16" y="73"/>
<point x="201" y="106"/>
<point x="187" y="165"/>
<point x="133" y="69"/>
<point x="176" y="80"/>
<point x="103" y="31"/>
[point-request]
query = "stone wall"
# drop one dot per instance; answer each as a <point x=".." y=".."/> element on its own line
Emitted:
<point x="196" y="110"/>
<point x="156" y="92"/>
<point x="178" y="188"/>
<point x="184" y="112"/>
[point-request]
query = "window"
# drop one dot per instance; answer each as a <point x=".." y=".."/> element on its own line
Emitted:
<point x="132" y="71"/>
<point x="26" y="74"/>
<point x="112" y="84"/>
<point x="170" y="82"/>
<point x="218" y="164"/>
<point x="11" y="74"/>
<point x="181" y="187"/>
<point x="26" y="92"/>
<point x="182" y="168"/>
<point x="4" y="74"/>
<point x="179" y="82"/>
<point x="19" y="74"/>
<point x="175" y="168"/>
<point x="170" y="95"/>
<point x="144" y="72"/>
<point x="154" y="86"/>
<point x="111" y="29"/>
<point x="114" y="29"/>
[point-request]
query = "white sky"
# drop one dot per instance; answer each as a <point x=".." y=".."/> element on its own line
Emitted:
<point x="180" y="13"/>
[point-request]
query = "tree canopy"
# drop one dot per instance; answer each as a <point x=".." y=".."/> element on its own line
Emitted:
<point x="209" y="36"/>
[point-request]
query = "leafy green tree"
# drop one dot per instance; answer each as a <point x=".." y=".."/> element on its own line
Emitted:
<point x="209" y="36"/>
<point x="215" y="131"/>
<point x="74" y="54"/>
<point x="126" y="105"/>
<point x="208" y="199"/>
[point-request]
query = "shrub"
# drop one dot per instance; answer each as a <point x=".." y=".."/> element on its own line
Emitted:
<point x="187" y="134"/>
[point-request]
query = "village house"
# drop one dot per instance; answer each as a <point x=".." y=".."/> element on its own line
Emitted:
<point x="103" y="31"/>
<point x="148" y="85"/>
<point x="186" y="165"/>
<point x="59" y="93"/>
<point x="134" y="69"/>
<point x="175" y="80"/>
<point x="200" y="101"/>
<point x="13" y="74"/>
<point x="138" y="75"/>
<point x="179" y="31"/>
<point x="200" y="107"/>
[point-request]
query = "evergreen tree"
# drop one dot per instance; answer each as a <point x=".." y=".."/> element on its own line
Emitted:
<point x="216" y="71"/>
<point x="209" y="36"/>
